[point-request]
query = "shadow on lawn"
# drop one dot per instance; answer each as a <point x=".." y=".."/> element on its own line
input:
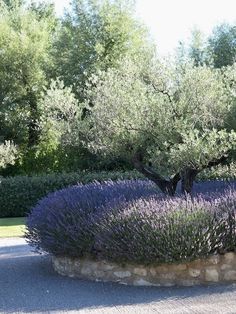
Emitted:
<point x="28" y="283"/>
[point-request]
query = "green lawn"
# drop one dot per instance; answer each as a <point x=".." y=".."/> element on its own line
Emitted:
<point x="12" y="227"/>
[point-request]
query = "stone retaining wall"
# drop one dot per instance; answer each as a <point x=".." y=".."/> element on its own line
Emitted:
<point x="217" y="268"/>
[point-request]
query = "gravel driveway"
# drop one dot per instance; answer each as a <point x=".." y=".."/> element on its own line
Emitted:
<point x="28" y="284"/>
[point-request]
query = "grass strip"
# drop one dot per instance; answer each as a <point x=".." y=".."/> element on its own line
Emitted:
<point x="12" y="227"/>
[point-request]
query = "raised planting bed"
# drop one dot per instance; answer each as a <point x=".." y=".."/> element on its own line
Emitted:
<point x="217" y="268"/>
<point x="126" y="231"/>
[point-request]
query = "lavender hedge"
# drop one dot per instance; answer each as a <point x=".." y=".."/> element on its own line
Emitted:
<point x="129" y="221"/>
<point x="63" y="222"/>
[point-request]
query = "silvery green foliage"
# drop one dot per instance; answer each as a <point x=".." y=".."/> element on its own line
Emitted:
<point x="179" y="117"/>
<point x="95" y="34"/>
<point x="226" y="172"/>
<point x="229" y="74"/>
<point x="7" y="154"/>
<point x="60" y="113"/>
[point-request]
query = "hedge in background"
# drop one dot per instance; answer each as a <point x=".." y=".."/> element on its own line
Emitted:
<point x="19" y="194"/>
<point x="127" y="221"/>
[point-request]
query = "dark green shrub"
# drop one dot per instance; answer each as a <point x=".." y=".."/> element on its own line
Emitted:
<point x="19" y="194"/>
<point x="59" y="159"/>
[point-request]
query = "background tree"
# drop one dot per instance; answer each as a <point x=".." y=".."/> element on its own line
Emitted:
<point x="94" y="35"/>
<point x="217" y="50"/>
<point x="25" y="43"/>
<point x="197" y="48"/>
<point x="59" y="115"/>
<point x="11" y="4"/>
<point x="175" y="122"/>
<point x="59" y="118"/>
<point x="222" y="45"/>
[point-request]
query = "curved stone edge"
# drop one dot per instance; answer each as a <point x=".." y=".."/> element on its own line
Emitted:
<point x="216" y="268"/>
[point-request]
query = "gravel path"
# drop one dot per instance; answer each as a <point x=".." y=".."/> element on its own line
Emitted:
<point x="28" y="284"/>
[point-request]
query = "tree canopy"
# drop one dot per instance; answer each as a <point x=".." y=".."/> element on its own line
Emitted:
<point x="88" y="88"/>
<point x="222" y="45"/>
<point x="94" y="36"/>
<point x="176" y="121"/>
<point x="217" y="50"/>
<point x="25" y="41"/>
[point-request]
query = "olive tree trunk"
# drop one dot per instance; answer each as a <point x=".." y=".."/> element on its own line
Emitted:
<point x="188" y="177"/>
<point x="168" y="186"/>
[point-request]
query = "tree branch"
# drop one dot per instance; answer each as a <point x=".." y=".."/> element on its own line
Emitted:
<point x="166" y="186"/>
<point x="162" y="91"/>
<point x="216" y="162"/>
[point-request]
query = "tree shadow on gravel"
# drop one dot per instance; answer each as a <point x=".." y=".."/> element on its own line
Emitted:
<point x="28" y="283"/>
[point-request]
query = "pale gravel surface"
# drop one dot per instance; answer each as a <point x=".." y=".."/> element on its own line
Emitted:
<point x="28" y="284"/>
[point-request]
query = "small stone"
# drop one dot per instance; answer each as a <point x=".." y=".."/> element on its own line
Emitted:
<point x="152" y="271"/>
<point x="162" y="269"/>
<point x="107" y="267"/>
<point x="229" y="257"/>
<point x="122" y="274"/>
<point x="215" y="259"/>
<point x="70" y="261"/>
<point x="90" y="264"/>
<point x="194" y="272"/>
<point x="179" y="267"/>
<point x="86" y="271"/>
<point x="77" y="264"/>
<point x="99" y="274"/>
<point x="230" y="275"/>
<point x="169" y="276"/>
<point x="68" y="269"/>
<point x="60" y="261"/>
<point x="140" y="271"/>
<point x="142" y="282"/>
<point x="225" y="267"/>
<point x="212" y="275"/>
<point x="196" y="263"/>
<point x="63" y="259"/>
<point x="56" y="263"/>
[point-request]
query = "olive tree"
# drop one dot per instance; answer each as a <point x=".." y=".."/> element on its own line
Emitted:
<point x="60" y="113"/>
<point x="59" y="116"/>
<point x="171" y="123"/>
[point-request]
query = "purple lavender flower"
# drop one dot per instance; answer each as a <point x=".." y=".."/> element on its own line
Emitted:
<point x="130" y="221"/>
